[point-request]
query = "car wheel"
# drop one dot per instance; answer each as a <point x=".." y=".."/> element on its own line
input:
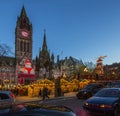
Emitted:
<point x="78" y="96"/>
<point x="116" y="111"/>
<point x="88" y="96"/>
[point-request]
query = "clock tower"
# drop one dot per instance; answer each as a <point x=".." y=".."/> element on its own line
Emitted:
<point x="23" y="38"/>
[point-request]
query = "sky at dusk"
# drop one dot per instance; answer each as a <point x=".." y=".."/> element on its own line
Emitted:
<point x="83" y="29"/>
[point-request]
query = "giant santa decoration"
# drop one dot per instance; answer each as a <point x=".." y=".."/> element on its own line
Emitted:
<point x="26" y="73"/>
<point x="28" y="68"/>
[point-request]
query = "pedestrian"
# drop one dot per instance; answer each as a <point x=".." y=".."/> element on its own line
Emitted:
<point x="15" y="91"/>
<point x="45" y="93"/>
<point x="40" y="93"/>
<point x="59" y="91"/>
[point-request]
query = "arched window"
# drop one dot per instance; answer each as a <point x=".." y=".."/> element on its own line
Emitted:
<point x="28" y="45"/>
<point x="20" y="45"/>
<point x="24" y="46"/>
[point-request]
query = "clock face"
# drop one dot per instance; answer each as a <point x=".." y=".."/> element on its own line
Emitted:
<point x="24" y="33"/>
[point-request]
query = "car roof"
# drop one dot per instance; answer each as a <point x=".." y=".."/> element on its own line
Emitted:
<point x="7" y="92"/>
<point x="112" y="88"/>
<point x="94" y="84"/>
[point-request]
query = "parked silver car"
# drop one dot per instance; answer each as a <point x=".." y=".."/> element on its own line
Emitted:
<point x="7" y="99"/>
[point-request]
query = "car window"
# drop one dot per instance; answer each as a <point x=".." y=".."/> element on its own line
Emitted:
<point x="93" y="87"/>
<point x="89" y="86"/>
<point x="108" y="93"/>
<point x="3" y="96"/>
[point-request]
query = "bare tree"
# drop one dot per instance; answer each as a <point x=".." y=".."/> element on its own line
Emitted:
<point x="5" y="50"/>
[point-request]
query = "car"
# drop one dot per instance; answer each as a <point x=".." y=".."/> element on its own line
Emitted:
<point x="36" y="109"/>
<point x="89" y="90"/>
<point x="106" y="102"/>
<point x="7" y="99"/>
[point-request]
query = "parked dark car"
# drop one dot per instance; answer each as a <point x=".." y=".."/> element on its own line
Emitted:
<point x="89" y="90"/>
<point x="34" y="109"/>
<point x="106" y="102"/>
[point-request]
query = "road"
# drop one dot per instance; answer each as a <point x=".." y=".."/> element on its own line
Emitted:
<point x="71" y="102"/>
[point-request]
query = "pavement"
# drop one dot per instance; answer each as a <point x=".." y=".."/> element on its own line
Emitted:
<point x="21" y="99"/>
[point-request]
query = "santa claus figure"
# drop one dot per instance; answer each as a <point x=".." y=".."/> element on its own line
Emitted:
<point x="28" y="68"/>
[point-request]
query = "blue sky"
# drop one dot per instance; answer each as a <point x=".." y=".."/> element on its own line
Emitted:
<point x="84" y="29"/>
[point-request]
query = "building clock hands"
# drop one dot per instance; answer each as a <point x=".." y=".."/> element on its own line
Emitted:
<point x="24" y="33"/>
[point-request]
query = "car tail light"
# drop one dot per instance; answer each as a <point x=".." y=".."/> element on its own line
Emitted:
<point x="105" y="106"/>
<point x="12" y="95"/>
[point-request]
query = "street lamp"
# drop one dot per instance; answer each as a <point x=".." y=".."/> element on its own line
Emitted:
<point x="85" y="69"/>
<point x="57" y="77"/>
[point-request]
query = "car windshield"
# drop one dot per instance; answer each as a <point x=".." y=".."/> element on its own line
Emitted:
<point x="91" y="86"/>
<point x="108" y="93"/>
<point x="88" y="87"/>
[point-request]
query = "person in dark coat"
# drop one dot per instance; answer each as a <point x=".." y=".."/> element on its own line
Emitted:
<point x="40" y="93"/>
<point x="45" y="93"/>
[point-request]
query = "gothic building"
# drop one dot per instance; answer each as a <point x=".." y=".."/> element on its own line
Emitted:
<point x="45" y="61"/>
<point x="23" y="38"/>
<point x="23" y="49"/>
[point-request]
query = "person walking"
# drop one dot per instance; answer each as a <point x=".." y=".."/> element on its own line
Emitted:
<point x="40" y="93"/>
<point x="45" y="93"/>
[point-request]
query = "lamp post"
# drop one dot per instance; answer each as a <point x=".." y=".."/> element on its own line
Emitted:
<point x="57" y="77"/>
<point x="85" y="71"/>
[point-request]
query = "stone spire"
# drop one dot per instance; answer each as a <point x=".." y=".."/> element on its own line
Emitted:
<point x="23" y="12"/>
<point x="44" y="47"/>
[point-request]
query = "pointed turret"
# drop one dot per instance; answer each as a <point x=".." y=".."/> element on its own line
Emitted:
<point x="23" y="21"/>
<point x="52" y="57"/>
<point x="44" y="47"/>
<point x="23" y="12"/>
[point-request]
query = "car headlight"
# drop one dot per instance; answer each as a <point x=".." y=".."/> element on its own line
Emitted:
<point x="86" y="103"/>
